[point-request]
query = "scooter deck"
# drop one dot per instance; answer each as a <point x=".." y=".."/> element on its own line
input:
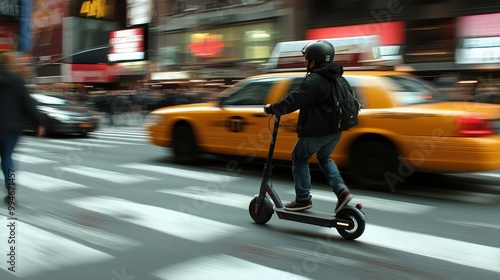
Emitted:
<point x="309" y="216"/>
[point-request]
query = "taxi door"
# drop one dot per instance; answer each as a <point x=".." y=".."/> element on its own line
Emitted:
<point x="239" y="127"/>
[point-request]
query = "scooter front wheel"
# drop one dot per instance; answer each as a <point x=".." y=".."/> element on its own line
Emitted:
<point x="264" y="213"/>
<point x="358" y="224"/>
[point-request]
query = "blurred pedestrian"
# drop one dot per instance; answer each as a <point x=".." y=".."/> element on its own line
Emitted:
<point x="16" y="107"/>
<point x="316" y="130"/>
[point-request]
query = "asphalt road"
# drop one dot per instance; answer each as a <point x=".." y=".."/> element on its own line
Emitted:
<point x="116" y="207"/>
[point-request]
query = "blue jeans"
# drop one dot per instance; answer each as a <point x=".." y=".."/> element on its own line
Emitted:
<point x="8" y="141"/>
<point x="304" y="149"/>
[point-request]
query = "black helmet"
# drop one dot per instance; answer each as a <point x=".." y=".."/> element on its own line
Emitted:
<point x="320" y="51"/>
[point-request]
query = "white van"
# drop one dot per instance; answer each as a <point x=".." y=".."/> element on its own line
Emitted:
<point x="351" y="52"/>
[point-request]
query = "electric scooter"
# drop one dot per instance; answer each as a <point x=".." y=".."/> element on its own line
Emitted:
<point x="350" y="221"/>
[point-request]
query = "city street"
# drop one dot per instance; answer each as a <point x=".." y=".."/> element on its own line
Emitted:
<point x="115" y="207"/>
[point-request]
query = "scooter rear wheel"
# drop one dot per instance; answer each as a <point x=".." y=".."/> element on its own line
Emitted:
<point x="358" y="224"/>
<point x="265" y="212"/>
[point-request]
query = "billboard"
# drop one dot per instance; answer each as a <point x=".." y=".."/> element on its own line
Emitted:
<point x="139" y="12"/>
<point x="127" y="45"/>
<point x="478" y="39"/>
<point x="88" y="73"/>
<point x="8" y="37"/>
<point x="46" y="20"/>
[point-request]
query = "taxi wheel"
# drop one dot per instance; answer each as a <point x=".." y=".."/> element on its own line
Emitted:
<point x="184" y="145"/>
<point x="374" y="163"/>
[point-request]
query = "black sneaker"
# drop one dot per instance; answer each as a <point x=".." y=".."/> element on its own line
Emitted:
<point x="299" y="205"/>
<point x="343" y="198"/>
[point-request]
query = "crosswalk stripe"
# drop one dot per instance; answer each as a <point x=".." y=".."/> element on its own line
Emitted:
<point x="30" y="159"/>
<point x="91" y="235"/>
<point x="212" y="196"/>
<point x="121" y="131"/>
<point x="223" y="267"/>
<point x="60" y="147"/>
<point x="129" y="136"/>
<point x="124" y="137"/>
<point x="39" y="251"/>
<point x="216" y="196"/>
<point x="111" y="176"/>
<point x="44" y="183"/>
<point x="179" y="224"/>
<point x="93" y="141"/>
<point x="190" y="174"/>
<point x="26" y="150"/>
<point x="375" y="203"/>
<point x="450" y="250"/>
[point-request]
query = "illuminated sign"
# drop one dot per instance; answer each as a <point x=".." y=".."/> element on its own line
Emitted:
<point x="478" y="39"/>
<point x="10" y="8"/>
<point x="96" y="9"/>
<point x="88" y="73"/>
<point x="139" y="12"/>
<point x="127" y="45"/>
<point x="206" y="44"/>
<point x="7" y="36"/>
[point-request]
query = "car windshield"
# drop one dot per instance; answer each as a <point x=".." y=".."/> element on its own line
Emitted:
<point x="50" y="100"/>
<point x="410" y="90"/>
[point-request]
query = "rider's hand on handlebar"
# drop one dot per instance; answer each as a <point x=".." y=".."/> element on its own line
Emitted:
<point x="267" y="109"/>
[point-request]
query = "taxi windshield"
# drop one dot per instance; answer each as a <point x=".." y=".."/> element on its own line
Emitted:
<point x="410" y="90"/>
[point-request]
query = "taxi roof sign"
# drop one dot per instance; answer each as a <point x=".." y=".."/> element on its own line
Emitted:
<point x="349" y="52"/>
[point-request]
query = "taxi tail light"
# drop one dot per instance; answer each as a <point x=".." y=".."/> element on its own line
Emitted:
<point x="473" y="126"/>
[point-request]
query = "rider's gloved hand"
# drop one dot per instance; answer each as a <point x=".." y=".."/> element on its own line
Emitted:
<point x="267" y="109"/>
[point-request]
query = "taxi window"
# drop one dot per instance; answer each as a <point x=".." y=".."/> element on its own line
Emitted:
<point x="410" y="90"/>
<point x="253" y="93"/>
<point x="354" y="83"/>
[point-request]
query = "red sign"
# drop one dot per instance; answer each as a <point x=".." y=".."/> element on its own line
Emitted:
<point x="8" y="36"/>
<point x="88" y="73"/>
<point x="126" y="45"/>
<point x="389" y="33"/>
<point x="206" y="44"/>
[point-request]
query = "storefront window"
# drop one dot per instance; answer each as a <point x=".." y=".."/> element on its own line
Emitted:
<point x="251" y="43"/>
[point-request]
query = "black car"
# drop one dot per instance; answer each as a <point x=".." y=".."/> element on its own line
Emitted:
<point x="65" y="116"/>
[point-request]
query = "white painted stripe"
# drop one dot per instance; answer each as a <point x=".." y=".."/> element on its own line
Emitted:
<point x="457" y="195"/>
<point x="179" y="224"/>
<point x="127" y="137"/>
<point x="88" y="234"/>
<point x="39" y="251"/>
<point x="94" y="140"/>
<point x="121" y="131"/>
<point x="223" y="267"/>
<point x="490" y="174"/>
<point x="213" y="196"/>
<point x="26" y="150"/>
<point x="190" y="174"/>
<point x="44" y="183"/>
<point x="450" y="250"/>
<point x="60" y="147"/>
<point x="85" y="144"/>
<point x="470" y="223"/>
<point x="30" y="159"/>
<point x="121" y="135"/>
<point x="106" y="175"/>
<point x="375" y="203"/>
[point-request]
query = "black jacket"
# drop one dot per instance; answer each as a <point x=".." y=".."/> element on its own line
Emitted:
<point x="16" y="105"/>
<point x="314" y="99"/>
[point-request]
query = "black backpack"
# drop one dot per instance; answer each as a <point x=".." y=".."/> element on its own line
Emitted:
<point x="346" y="106"/>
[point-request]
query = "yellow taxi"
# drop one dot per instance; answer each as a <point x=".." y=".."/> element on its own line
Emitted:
<point x="405" y="126"/>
